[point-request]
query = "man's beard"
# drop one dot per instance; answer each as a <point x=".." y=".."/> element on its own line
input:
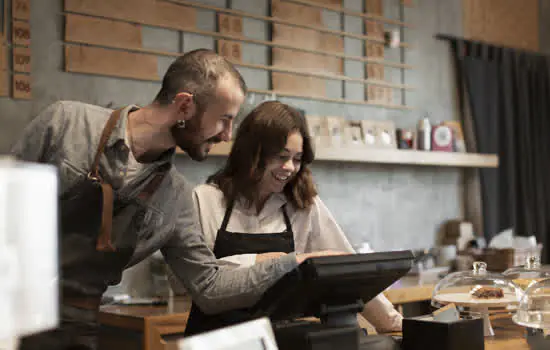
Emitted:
<point x="188" y="140"/>
<point x="197" y="152"/>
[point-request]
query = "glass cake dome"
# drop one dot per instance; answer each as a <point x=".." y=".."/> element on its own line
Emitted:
<point x="526" y="275"/>
<point x="476" y="288"/>
<point x="534" y="308"/>
<point x="534" y="313"/>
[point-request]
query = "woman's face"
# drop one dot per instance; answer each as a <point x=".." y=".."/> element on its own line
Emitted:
<point x="282" y="167"/>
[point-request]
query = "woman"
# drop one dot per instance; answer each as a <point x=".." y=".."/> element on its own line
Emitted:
<point x="263" y="204"/>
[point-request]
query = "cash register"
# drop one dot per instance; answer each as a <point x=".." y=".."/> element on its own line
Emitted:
<point x="333" y="289"/>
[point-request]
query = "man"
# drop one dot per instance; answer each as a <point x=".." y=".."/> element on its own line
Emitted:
<point x="152" y="207"/>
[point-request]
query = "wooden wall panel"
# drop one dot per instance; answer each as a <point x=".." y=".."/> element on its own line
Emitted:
<point x="375" y="7"/>
<point x="295" y="37"/>
<point x="231" y="25"/>
<point x="299" y="85"/>
<point x="95" y="60"/>
<point x="22" y="59"/>
<point x="303" y="38"/>
<point x="112" y="32"/>
<point x="98" y="31"/>
<point x="21" y="9"/>
<point x="3" y="55"/>
<point x="21" y="33"/>
<point x="296" y="13"/>
<point x="375" y="50"/>
<point x="231" y="50"/>
<point x="504" y="22"/>
<point x="22" y="86"/>
<point x="4" y="83"/>
<point x="333" y="3"/>
<point x="152" y="12"/>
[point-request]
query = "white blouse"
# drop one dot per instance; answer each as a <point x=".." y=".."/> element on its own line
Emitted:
<point x="314" y="229"/>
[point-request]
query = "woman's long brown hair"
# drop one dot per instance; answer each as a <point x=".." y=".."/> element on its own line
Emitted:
<point x="262" y="135"/>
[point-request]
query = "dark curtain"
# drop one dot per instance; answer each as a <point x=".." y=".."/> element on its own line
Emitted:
<point x="508" y="95"/>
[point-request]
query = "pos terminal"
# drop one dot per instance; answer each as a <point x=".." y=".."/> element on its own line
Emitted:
<point x="334" y="289"/>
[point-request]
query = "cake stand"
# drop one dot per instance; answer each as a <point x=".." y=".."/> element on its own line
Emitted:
<point x="480" y="306"/>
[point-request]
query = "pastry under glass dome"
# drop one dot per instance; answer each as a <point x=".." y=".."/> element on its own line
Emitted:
<point x="466" y="287"/>
<point x="478" y="290"/>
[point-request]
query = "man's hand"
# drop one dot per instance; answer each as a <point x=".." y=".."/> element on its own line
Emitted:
<point x="267" y="256"/>
<point x="301" y="257"/>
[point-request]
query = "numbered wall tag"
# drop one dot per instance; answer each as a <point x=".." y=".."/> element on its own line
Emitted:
<point x="21" y="9"/>
<point x="22" y="86"/>
<point x="22" y="59"/>
<point x="21" y="33"/>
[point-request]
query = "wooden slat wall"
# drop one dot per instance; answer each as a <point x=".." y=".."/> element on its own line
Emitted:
<point x="505" y="22"/>
<point x="4" y="74"/>
<point x="231" y="25"/>
<point x="21" y="9"/>
<point x="111" y="34"/>
<point x="22" y="86"/>
<point x="21" y="52"/>
<point x="22" y="59"/>
<point x="152" y="12"/>
<point x="376" y="51"/>
<point x="300" y="37"/>
<point x="118" y="34"/>
<point x="115" y="63"/>
<point x="98" y="31"/>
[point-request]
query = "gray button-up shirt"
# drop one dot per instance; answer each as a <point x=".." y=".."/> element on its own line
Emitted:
<point x="67" y="134"/>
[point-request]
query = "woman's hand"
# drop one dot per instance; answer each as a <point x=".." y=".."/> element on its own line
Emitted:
<point x="301" y="257"/>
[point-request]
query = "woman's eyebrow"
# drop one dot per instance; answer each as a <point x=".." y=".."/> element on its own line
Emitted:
<point x="288" y="151"/>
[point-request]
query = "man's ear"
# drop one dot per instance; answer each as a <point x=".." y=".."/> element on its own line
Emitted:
<point x="184" y="104"/>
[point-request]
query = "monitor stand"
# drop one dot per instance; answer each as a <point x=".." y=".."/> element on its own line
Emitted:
<point x="338" y="329"/>
<point x="341" y="315"/>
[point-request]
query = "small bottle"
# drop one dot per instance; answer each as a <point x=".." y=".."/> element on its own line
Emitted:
<point x="424" y="138"/>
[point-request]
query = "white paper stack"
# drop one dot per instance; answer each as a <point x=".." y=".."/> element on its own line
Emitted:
<point x="28" y="215"/>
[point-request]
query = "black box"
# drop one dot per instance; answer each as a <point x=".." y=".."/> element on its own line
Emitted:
<point x="423" y="333"/>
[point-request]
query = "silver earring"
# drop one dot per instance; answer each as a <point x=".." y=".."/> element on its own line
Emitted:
<point x="180" y="124"/>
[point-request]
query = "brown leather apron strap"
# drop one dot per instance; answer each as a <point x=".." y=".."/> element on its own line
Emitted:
<point x="152" y="185"/>
<point x="107" y="130"/>
<point x="104" y="243"/>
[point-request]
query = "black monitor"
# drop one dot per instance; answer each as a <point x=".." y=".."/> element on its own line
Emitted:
<point x="332" y="285"/>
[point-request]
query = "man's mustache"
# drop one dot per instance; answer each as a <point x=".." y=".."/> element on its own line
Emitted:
<point x="214" y="139"/>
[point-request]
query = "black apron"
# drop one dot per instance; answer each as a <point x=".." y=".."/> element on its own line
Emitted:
<point x="234" y="243"/>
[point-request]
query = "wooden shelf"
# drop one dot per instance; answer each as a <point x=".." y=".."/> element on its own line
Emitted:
<point x="391" y="156"/>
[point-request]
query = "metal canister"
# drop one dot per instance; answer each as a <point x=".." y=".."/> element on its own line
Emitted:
<point x="424" y="138"/>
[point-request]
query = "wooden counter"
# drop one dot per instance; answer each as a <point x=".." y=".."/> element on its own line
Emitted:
<point x="508" y="335"/>
<point x="143" y="327"/>
<point x="411" y="289"/>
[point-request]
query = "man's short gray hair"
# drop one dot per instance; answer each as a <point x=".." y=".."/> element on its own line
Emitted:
<point x="197" y="72"/>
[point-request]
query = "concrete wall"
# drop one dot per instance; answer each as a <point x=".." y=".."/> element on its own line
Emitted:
<point x="391" y="207"/>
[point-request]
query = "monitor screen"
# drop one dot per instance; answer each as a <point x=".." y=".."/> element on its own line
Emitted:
<point x="332" y="281"/>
